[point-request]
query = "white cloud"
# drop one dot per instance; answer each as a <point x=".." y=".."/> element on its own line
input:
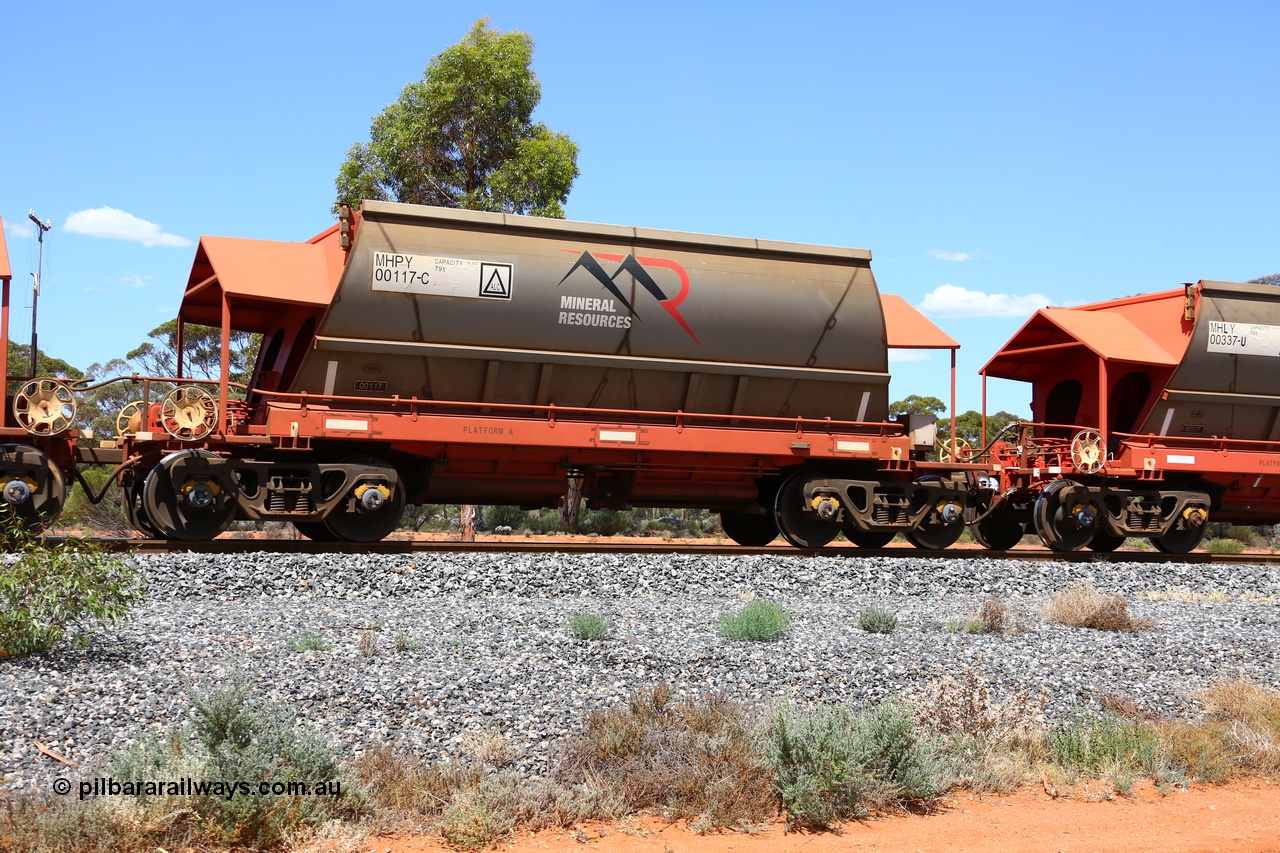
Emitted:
<point x="957" y="257"/>
<point x="132" y="279"/>
<point x="23" y="229"/>
<point x="112" y="224"/>
<point x="908" y="355"/>
<point x="947" y="300"/>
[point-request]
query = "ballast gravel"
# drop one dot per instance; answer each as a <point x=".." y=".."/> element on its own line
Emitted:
<point x="472" y="644"/>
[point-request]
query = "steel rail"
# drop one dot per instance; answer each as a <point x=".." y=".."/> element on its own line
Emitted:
<point x="537" y="546"/>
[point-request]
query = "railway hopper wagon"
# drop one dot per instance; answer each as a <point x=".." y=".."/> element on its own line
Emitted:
<point x="1151" y="416"/>
<point x="417" y="354"/>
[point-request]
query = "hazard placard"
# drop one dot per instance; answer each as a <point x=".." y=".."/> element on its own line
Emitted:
<point x="495" y="281"/>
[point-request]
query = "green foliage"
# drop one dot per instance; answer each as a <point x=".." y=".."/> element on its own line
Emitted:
<point x="832" y="764"/>
<point x="308" y="641"/>
<point x="202" y="352"/>
<point x="969" y="427"/>
<point x="67" y="590"/>
<point x="237" y="741"/>
<point x="605" y="522"/>
<point x="463" y="136"/>
<point x="758" y="621"/>
<point x="588" y="626"/>
<point x="46" y="365"/>
<point x="504" y="516"/>
<point x="877" y="620"/>
<point x="404" y="643"/>
<point x="108" y="515"/>
<point x="1092" y="744"/>
<point x="1224" y="546"/>
<point x="1273" y="279"/>
<point x="914" y="404"/>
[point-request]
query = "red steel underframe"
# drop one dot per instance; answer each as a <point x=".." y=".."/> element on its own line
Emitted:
<point x="511" y="430"/>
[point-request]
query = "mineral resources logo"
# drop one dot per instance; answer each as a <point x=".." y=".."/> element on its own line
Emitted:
<point x="580" y="311"/>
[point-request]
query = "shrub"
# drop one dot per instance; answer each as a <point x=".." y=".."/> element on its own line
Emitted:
<point x="107" y="516"/>
<point x="1082" y="606"/>
<point x="964" y="707"/>
<point x="1224" y="546"/>
<point x="504" y="516"/>
<point x="758" y="621"/>
<point x="1093" y="744"/>
<point x="65" y="590"/>
<point x="992" y="618"/>
<point x="588" y="626"/>
<point x="605" y="522"/>
<point x="404" y="643"/>
<point x="877" y="620"/>
<point x="229" y="742"/>
<point x="308" y="641"/>
<point x="699" y="759"/>
<point x="1249" y="536"/>
<point x="832" y="764"/>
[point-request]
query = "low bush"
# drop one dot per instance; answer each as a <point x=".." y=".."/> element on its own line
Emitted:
<point x="699" y="759"/>
<point x="877" y="620"/>
<point x="605" y="522"/>
<point x="1224" y="546"/>
<point x="1095" y="744"/>
<point x="588" y="626"/>
<point x="504" y="516"/>
<point x="1082" y="606"/>
<point x="833" y="764"/>
<point x="758" y="621"/>
<point x="993" y="617"/>
<point x="51" y="592"/>
<point x="964" y="707"/>
<point x="308" y="641"/>
<point x="1249" y="536"/>
<point x="231" y="746"/>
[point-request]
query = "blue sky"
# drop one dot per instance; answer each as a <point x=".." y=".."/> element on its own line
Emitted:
<point x="993" y="157"/>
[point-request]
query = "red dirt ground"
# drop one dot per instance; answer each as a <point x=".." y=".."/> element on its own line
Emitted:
<point x="1241" y="817"/>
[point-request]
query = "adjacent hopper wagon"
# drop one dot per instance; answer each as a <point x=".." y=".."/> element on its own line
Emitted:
<point x="1151" y="416"/>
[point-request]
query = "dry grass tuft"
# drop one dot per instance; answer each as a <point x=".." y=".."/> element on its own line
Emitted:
<point x="1082" y="606"/>
<point x="1125" y="707"/>
<point x="698" y="759"/>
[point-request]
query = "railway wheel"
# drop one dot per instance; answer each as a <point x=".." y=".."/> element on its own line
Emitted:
<point x="187" y="497"/>
<point x="371" y="509"/>
<point x="33" y="487"/>
<point x="1105" y="543"/>
<point x="1063" y="522"/>
<point x="1180" y="541"/>
<point x="999" y="531"/>
<point x="316" y="531"/>
<point x="868" y="538"/>
<point x="941" y="526"/>
<point x="799" y="526"/>
<point x="751" y="530"/>
<point x="136" y="513"/>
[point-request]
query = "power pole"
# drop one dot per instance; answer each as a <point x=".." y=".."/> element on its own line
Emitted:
<point x="35" y="291"/>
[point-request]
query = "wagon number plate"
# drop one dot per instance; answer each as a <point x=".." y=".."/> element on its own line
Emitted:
<point x="433" y="275"/>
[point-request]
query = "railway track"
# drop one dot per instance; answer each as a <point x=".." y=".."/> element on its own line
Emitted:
<point x="307" y="546"/>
